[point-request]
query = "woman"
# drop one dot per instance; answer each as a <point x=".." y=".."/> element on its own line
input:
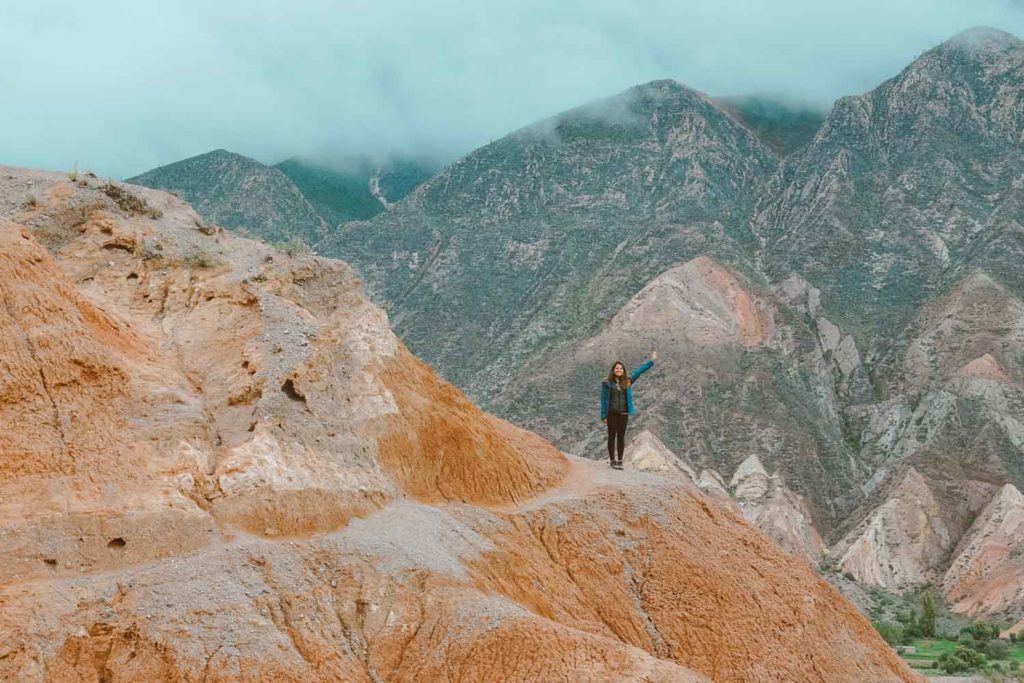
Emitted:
<point x="617" y="406"/>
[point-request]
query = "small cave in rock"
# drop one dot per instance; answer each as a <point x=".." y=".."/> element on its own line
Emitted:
<point x="50" y="561"/>
<point x="291" y="392"/>
<point x="132" y="276"/>
<point x="117" y="543"/>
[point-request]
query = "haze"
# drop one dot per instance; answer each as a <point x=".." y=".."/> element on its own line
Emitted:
<point x="122" y="87"/>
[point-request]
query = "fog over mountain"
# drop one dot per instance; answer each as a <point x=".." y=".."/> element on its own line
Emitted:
<point x="124" y="88"/>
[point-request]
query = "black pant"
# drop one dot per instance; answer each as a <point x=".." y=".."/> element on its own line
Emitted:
<point x="617" y="433"/>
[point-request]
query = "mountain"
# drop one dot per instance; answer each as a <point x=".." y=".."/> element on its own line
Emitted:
<point x="784" y="127"/>
<point x="539" y="237"/>
<point x="237" y="192"/>
<point x="356" y="188"/>
<point x="907" y="188"/>
<point x="844" y="306"/>
<point x="838" y="299"/>
<point x="222" y="464"/>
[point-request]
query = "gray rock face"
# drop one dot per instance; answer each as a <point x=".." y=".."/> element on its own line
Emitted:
<point x="238" y="192"/>
<point x="906" y="187"/>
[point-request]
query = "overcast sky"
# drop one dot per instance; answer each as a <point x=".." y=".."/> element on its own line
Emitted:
<point x="121" y="87"/>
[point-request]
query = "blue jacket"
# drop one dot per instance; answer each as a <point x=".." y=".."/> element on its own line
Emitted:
<point x="606" y="390"/>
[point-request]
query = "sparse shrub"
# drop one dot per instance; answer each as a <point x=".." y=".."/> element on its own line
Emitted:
<point x="294" y="246"/>
<point x="73" y="173"/>
<point x="148" y="249"/>
<point x="126" y="201"/>
<point x="998" y="649"/>
<point x="953" y="664"/>
<point x="201" y="258"/>
<point x="31" y="202"/>
<point x="891" y="633"/>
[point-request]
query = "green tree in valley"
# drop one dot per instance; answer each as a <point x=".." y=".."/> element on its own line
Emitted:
<point x="927" y="622"/>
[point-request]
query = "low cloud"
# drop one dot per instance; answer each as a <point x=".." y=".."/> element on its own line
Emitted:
<point x="122" y="87"/>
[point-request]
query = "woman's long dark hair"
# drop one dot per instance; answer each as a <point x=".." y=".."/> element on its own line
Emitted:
<point x="624" y="382"/>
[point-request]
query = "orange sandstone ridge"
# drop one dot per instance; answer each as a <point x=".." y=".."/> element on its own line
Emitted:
<point x="218" y="463"/>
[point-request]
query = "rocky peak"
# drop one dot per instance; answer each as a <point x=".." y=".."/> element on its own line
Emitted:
<point x="782" y="514"/>
<point x="902" y="542"/>
<point x="750" y="469"/>
<point x="983" y="39"/>
<point x="906" y="187"/>
<point x="987" y="573"/>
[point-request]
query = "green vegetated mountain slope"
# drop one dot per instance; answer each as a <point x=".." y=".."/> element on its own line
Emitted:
<point x="855" y="324"/>
<point x="239" y="192"/>
<point x="355" y="188"/>
<point x="783" y="126"/>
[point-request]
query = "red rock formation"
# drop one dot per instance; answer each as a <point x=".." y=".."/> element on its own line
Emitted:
<point x="218" y="463"/>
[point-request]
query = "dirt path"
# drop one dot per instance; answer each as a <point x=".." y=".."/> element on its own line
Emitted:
<point x="584" y="477"/>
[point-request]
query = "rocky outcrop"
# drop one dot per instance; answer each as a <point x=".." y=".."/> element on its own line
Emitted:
<point x="901" y="543"/>
<point x="762" y="499"/>
<point x="781" y="514"/>
<point x="987" y="573"/>
<point x="220" y="463"/>
<point x="646" y="453"/>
